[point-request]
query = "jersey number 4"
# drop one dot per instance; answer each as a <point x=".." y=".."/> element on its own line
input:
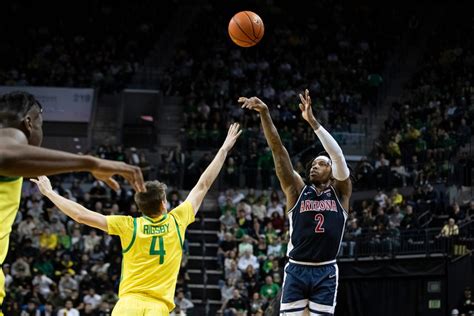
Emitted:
<point x="161" y="248"/>
<point x="319" y="218"/>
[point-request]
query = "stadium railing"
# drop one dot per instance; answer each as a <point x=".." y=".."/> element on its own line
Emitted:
<point x="423" y="242"/>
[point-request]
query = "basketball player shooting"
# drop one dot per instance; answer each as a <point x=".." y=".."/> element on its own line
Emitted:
<point x="317" y="215"/>
<point x="152" y="244"/>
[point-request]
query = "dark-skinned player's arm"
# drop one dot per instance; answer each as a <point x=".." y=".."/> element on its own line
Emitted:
<point x="18" y="159"/>
<point x="197" y="194"/>
<point x="77" y="212"/>
<point x="340" y="171"/>
<point x="290" y="181"/>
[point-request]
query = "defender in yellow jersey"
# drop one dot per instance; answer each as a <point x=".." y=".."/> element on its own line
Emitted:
<point x="152" y="251"/>
<point x="152" y="244"/>
<point x="10" y="193"/>
<point x="21" y="134"/>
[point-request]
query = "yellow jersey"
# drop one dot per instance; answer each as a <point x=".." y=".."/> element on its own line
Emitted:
<point x="10" y="194"/>
<point x="152" y="252"/>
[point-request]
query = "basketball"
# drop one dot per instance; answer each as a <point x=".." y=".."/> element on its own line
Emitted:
<point x="246" y="29"/>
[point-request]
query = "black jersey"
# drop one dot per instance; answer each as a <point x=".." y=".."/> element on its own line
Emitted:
<point x="317" y="223"/>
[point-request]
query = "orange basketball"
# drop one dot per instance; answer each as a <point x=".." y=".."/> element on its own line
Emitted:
<point x="246" y="29"/>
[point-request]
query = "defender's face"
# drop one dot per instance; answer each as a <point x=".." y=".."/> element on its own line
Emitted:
<point x="34" y="125"/>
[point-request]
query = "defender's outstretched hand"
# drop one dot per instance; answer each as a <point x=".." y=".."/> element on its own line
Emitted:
<point x="232" y="135"/>
<point x="253" y="103"/>
<point x="44" y="185"/>
<point x="106" y="169"/>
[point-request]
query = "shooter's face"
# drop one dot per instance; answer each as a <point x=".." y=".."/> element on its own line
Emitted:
<point x="320" y="171"/>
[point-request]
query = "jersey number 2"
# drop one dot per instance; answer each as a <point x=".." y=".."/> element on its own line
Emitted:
<point x="161" y="248"/>
<point x="319" y="226"/>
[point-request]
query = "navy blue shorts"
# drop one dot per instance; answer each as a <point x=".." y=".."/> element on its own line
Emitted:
<point x="312" y="287"/>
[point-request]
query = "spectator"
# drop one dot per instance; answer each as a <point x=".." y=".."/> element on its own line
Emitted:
<point x="261" y="249"/>
<point x="227" y="289"/>
<point x="21" y="269"/>
<point x="226" y="246"/>
<point x="382" y="170"/>
<point x="256" y="230"/>
<point x="248" y="259"/>
<point x="395" y="198"/>
<point x="44" y="284"/>
<point x="183" y="303"/>
<point x="275" y="207"/>
<point x="457" y="214"/>
<point x="26" y="227"/>
<point x="228" y="220"/>
<point x="242" y="222"/>
<point x="233" y="272"/>
<point x="56" y="225"/>
<point x="67" y="287"/>
<point x="64" y="240"/>
<point x="250" y="279"/>
<point x="275" y="248"/>
<point x="276" y="271"/>
<point x="7" y="275"/>
<point x="353" y="231"/>
<point x="68" y="310"/>
<point x="366" y="221"/>
<point x="98" y="192"/>
<point x="243" y="205"/>
<point x="92" y="298"/>
<point x="91" y="241"/>
<point x="410" y="220"/>
<point x="270" y="289"/>
<point x="381" y="198"/>
<point x="278" y="222"/>
<point x="48" y="240"/>
<point x="48" y="310"/>
<point x="237" y="304"/>
<point x="363" y="173"/>
<point x="259" y="210"/>
<point x="229" y="259"/>
<point x="256" y="304"/>
<point x="450" y="229"/>
<point x="88" y="310"/>
<point x="381" y="218"/>
<point x="396" y="217"/>
<point x="245" y="246"/>
<point x="31" y="309"/>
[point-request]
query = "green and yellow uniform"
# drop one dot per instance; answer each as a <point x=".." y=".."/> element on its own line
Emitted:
<point x="152" y="252"/>
<point x="10" y="194"/>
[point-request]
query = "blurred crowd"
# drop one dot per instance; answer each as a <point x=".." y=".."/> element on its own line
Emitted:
<point x="342" y="70"/>
<point x="253" y="239"/>
<point x="91" y="45"/>
<point x="427" y="136"/>
<point x="427" y="219"/>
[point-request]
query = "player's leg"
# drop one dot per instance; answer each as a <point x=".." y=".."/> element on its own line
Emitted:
<point x="322" y="300"/>
<point x="294" y="299"/>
